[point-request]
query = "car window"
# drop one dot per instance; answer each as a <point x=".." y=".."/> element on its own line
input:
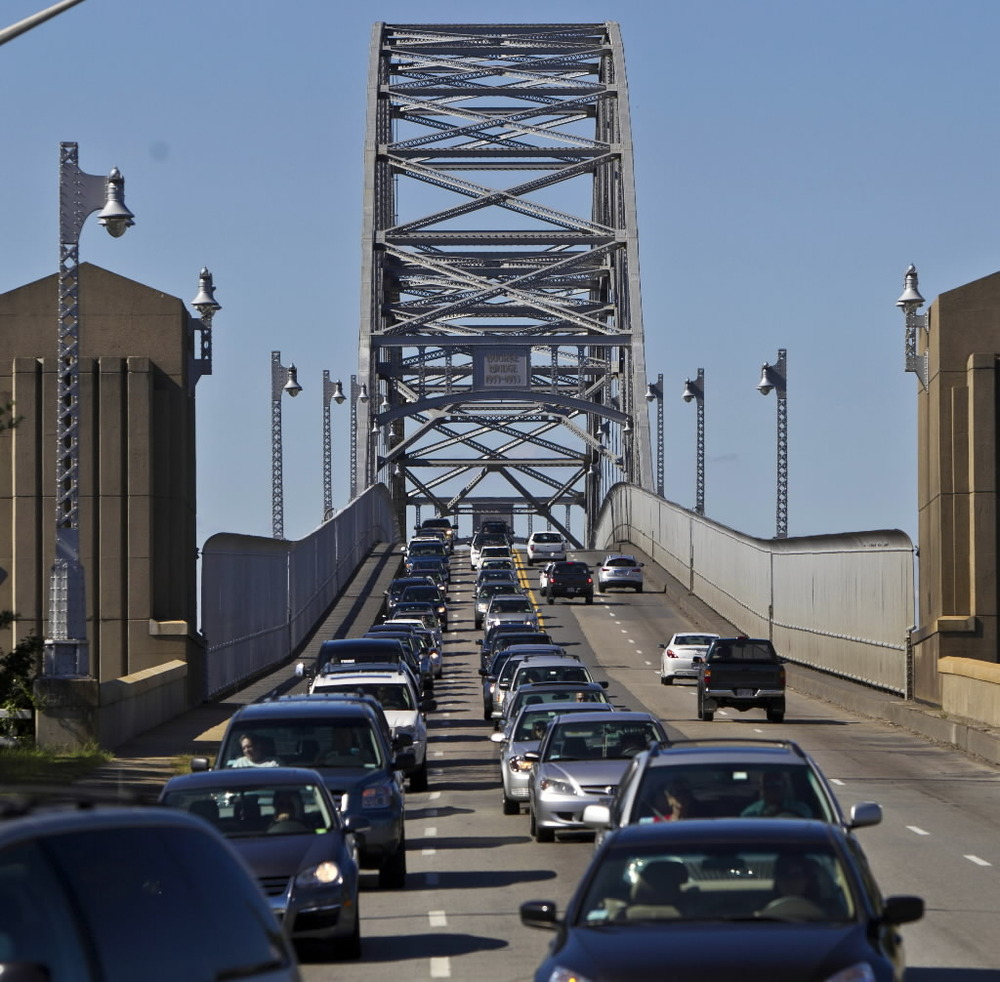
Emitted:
<point x="621" y="561"/>
<point x="156" y="904"/>
<point x="258" y="811"/>
<point x="718" y="882"/>
<point x="550" y="673"/>
<point x="346" y="743"/>
<point x="728" y="791"/>
<point x="604" y="740"/>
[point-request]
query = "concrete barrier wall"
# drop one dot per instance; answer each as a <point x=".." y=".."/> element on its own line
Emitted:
<point x="261" y="597"/>
<point x="842" y="604"/>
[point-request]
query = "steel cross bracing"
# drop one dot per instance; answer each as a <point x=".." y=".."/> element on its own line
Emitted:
<point x="501" y="339"/>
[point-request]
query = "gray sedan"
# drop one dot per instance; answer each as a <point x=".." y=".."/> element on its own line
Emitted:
<point x="580" y="761"/>
<point x="524" y="735"/>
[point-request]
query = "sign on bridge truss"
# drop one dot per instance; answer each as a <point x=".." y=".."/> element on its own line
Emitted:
<point x="501" y="342"/>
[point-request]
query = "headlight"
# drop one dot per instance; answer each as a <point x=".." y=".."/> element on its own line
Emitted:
<point x="556" y="787"/>
<point x="377" y="796"/>
<point x="518" y="764"/>
<point x="322" y="874"/>
<point x="862" y="972"/>
<point x="560" y="974"/>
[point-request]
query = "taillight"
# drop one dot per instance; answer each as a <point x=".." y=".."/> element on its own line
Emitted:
<point x="707" y="676"/>
<point x="781" y="676"/>
<point x="671" y="653"/>
<point x="590" y="579"/>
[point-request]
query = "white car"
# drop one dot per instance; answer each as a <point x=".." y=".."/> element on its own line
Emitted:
<point x="543" y="547"/>
<point x="679" y="654"/>
<point x="403" y="707"/>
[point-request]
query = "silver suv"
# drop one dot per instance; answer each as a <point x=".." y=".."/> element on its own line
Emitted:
<point x="620" y="571"/>
<point x="724" y="779"/>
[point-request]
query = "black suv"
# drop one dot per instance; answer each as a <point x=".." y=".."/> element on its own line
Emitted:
<point x="93" y="891"/>
<point x="569" y="579"/>
<point x="347" y="740"/>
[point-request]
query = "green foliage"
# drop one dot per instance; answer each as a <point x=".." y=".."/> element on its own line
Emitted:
<point x="18" y="670"/>
<point x="37" y="766"/>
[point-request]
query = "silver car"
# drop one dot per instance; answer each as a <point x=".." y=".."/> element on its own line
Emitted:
<point x="678" y="660"/>
<point x="524" y="734"/>
<point x="620" y="571"/>
<point x="511" y="609"/>
<point x="580" y="761"/>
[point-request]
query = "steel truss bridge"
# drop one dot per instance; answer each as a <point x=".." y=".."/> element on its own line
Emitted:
<point x="501" y="353"/>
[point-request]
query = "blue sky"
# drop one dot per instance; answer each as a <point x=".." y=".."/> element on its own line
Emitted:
<point x="792" y="157"/>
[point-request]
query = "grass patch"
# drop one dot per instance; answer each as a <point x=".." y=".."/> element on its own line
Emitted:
<point x="34" y="765"/>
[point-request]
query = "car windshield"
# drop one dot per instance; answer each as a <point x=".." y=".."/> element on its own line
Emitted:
<point x="571" y="672"/>
<point x="392" y="695"/>
<point x="699" y="640"/>
<point x="569" y="694"/>
<point x="706" y="882"/>
<point x="721" y="790"/>
<point x="531" y="723"/>
<point x="604" y="740"/>
<point x="547" y="537"/>
<point x="511" y="604"/>
<point x="264" y="810"/>
<point x="303" y="743"/>
<point x="621" y="561"/>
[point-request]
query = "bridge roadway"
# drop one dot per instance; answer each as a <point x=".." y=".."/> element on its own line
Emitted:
<point x="470" y="866"/>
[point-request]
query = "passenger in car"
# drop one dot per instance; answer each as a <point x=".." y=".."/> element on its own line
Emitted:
<point x="258" y="751"/>
<point x="776" y="799"/>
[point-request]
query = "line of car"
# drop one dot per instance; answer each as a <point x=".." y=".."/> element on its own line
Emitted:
<point x="763" y="877"/>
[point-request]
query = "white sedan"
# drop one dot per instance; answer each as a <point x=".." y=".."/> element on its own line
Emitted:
<point x="679" y="654"/>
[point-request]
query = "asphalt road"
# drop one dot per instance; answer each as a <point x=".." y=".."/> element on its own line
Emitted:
<point x="470" y="866"/>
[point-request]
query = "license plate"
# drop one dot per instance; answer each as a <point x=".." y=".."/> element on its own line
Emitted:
<point x="744" y="693"/>
<point x="571" y="589"/>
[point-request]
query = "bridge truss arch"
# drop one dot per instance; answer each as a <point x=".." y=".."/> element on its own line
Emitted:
<point x="501" y="360"/>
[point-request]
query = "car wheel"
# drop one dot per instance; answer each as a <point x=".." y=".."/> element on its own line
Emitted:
<point x="510" y="806"/>
<point x="704" y="714"/>
<point x="349" y="949"/>
<point x="776" y="714"/>
<point x="600" y="587"/>
<point x="590" y="598"/>
<point x="418" y="779"/>
<point x="543" y="834"/>
<point x="638" y="589"/>
<point x="550" y="599"/>
<point x="666" y="679"/>
<point x="392" y="875"/>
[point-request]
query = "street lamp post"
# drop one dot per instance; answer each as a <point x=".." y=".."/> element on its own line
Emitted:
<point x="282" y="380"/>
<point x="696" y="391"/>
<point x="80" y="195"/>
<point x="910" y="302"/>
<point x="654" y="391"/>
<point x="334" y="391"/>
<point x="775" y="377"/>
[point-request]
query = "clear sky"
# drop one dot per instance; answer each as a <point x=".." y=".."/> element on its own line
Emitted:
<point x="792" y="158"/>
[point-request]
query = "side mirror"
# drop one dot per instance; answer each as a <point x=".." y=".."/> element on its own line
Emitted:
<point x="497" y="736"/>
<point x="199" y="764"/>
<point x="597" y="816"/>
<point x="864" y="814"/>
<point x="428" y="705"/>
<point x="541" y="914"/>
<point x="903" y="909"/>
<point x="300" y="669"/>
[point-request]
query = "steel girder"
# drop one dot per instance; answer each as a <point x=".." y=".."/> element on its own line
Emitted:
<point x="501" y="340"/>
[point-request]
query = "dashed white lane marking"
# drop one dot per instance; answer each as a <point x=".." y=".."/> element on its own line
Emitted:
<point x="611" y="613"/>
<point x="434" y="795"/>
<point x="428" y="852"/>
<point x="648" y="662"/>
<point x="436" y="771"/>
<point x="430" y="832"/>
<point x="837" y="781"/>
<point x="977" y="860"/>
<point x="437" y="918"/>
<point x="916" y="830"/>
<point x="440" y="968"/>
<point x="437" y="753"/>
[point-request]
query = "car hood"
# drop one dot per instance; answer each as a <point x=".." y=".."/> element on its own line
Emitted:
<point x="401" y="717"/>
<point x="586" y="772"/>
<point x="286" y="855"/>
<point x="779" y="952"/>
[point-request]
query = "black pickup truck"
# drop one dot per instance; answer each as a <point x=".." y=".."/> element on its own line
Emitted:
<point x="569" y="579"/>
<point x="741" y="673"/>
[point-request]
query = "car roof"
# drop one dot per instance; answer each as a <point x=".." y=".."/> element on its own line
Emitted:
<point x="741" y="833"/>
<point x="344" y="644"/>
<point x="243" y="777"/>
<point x="385" y="675"/>
<point x="303" y="706"/>
<point x="543" y="687"/>
<point x="748" y="751"/>
<point x="601" y="716"/>
<point x="527" y="659"/>
<point x="46" y="821"/>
